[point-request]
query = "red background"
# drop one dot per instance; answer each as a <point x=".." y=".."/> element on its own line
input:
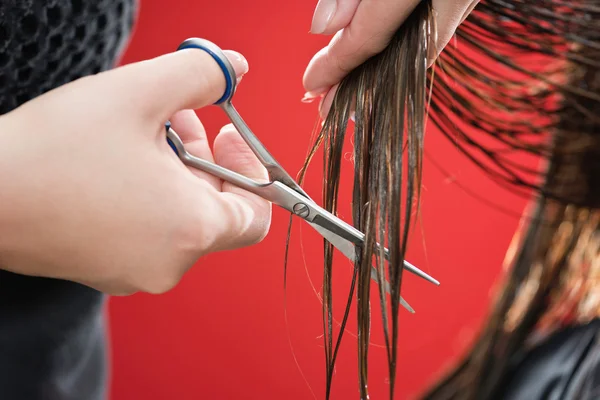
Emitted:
<point x="222" y="333"/>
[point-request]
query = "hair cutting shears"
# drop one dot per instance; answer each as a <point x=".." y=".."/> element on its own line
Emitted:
<point x="282" y="190"/>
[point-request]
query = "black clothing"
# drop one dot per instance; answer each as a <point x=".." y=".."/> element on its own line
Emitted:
<point x="52" y="334"/>
<point x="565" y="367"/>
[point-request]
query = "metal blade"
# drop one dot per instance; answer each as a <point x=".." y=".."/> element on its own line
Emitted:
<point x="347" y="249"/>
<point x="355" y="236"/>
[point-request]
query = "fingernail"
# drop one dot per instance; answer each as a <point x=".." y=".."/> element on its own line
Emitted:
<point x="311" y="96"/>
<point x="239" y="63"/>
<point x="352" y="116"/>
<point x="323" y="15"/>
<point x="228" y="127"/>
<point x="308" y="98"/>
<point x="327" y="101"/>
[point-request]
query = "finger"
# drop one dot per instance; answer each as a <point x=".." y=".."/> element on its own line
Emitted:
<point x="332" y="15"/>
<point x="185" y="79"/>
<point x="469" y="10"/>
<point x="373" y="25"/>
<point x="247" y="217"/>
<point x="449" y="15"/>
<point x="326" y="102"/>
<point x="189" y="128"/>
<point x="191" y="131"/>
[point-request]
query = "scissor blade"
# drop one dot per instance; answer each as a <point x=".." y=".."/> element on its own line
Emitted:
<point x="347" y="248"/>
<point x="342" y="229"/>
<point x="275" y="170"/>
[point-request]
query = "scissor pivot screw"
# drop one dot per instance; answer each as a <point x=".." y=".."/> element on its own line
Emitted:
<point x="301" y="210"/>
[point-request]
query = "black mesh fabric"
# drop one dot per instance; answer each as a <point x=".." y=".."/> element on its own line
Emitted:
<point x="46" y="43"/>
<point x="52" y="343"/>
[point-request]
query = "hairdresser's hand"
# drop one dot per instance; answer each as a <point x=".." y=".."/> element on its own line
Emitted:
<point x="363" y="29"/>
<point x="91" y="192"/>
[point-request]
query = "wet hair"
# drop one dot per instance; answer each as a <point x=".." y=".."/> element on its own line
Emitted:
<point x="388" y="97"/>
<point x="526" y="81"/>
<point x="532" y="86"/>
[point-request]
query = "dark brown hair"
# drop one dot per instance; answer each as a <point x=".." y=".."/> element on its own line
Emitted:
<point x="527" y="80"/>
<point x="388" y="96"/>
<point x="550" y="108"/>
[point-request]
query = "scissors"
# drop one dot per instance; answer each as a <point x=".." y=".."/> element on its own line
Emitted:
<point x="282" y="190"/>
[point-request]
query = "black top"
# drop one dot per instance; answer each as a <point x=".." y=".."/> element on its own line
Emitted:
<point x="564" y="367"/>
<point x="52" y="339"/>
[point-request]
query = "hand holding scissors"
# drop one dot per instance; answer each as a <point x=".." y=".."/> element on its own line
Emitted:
<point x="282" y="190"/>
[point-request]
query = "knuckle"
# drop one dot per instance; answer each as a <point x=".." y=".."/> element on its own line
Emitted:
<point x="186" y="243"/>
<point x="339" y="61"/>
<point x="161" y="277"/>
<point x="260" y="234"/>
<point x="161" y="284"/>
<point x="198" y="233"/>
<point x="261" y="223"/>
<point x="249" y="221"/>
<point x="152" y="278"/>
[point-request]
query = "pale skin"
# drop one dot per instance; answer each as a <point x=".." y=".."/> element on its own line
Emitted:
<point x="363" y="28"/>
<point x="92" y="193"/>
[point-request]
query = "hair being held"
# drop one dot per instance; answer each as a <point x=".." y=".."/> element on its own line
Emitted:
<point x="527" y="84"/>
<point x="550" y="109"/>
<point x="388" y="97"/>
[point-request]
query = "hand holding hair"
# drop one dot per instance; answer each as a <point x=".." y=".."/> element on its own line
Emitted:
<point x="363" y="29"/>
<point x="92" y="192"/>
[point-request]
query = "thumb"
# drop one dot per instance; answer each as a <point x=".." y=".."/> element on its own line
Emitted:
<point x="332" y="15"/>
<point x="231" y="152"/>
<point x="185" y="79"/>
<point x="248" y="216"/>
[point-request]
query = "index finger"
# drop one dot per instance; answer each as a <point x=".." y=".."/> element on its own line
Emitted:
<point x="185" y="79"/>
<point x="369" y="32"/>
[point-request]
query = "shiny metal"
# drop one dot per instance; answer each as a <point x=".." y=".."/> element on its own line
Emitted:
<point x="282" y="190"/>
<point x="301" y="210"/>
<point x="276" y="172"/>
<point x="347" y="248"/>
<point x="279" y="194"/>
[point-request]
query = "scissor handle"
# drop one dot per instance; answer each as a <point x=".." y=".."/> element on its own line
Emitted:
<point x="169" y="141"/>
<point x="217" y="54"/>
<point x="276" y="172"/>
<point x="283" y="189"/>
<point x="221" y="59"/>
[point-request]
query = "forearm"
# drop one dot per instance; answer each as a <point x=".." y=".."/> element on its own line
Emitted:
<point x="13" y="218"/>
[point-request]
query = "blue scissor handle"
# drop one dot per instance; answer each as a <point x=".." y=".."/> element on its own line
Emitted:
<point x="221" y="59"/>
<point x="171" y="144"/>
<point x="217" y="54"/>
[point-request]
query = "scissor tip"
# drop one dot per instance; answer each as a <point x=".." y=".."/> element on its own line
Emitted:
<point x="410" y="267"/>
<point x="429" y="279"/>
<point x="407" y="306"/>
